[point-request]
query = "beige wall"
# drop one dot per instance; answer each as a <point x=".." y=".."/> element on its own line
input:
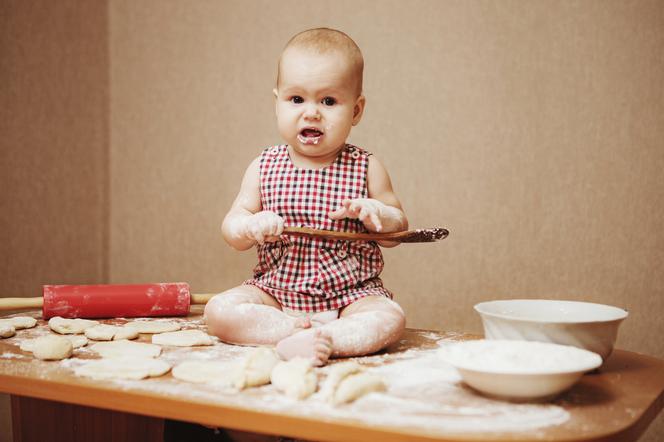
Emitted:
<point x="54" y="145"/>
<point x="532" y="130"/>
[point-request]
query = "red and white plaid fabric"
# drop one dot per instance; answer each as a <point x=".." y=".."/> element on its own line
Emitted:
<point x="312" y="274"/>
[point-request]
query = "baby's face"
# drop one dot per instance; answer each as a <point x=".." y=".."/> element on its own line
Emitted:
<point x="317" y="103"/>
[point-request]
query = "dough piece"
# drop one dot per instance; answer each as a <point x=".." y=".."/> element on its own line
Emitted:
<point x="337" y="374"/>
<point x="209" y="372"/>
<point x="124" y="348"/>
<point x="183" y="338"/>
<point x="154" y="326"/>
<point x="76" y="342"/>
<point x="256" y="368"/>
<point x="70" y="326"/>
<point x="105" y="332"/>
<point x="51" y="347"/>
<point x="7" y="330"/>
<point x="296" y="378"/>
<point x="357" y="385"/>
<point x="19" y="322"/>
<point x="128" y="367"/>
<point x="347" y="382"/>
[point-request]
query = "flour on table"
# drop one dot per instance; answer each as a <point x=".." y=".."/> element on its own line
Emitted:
<point x="70" y="326"/>
<point x="183" y="338"/>
<point x="123" y="348"/>
<point x="423" y="392"/>
<point x="153" y="327"/>
<point x="19" y="322"/>
<point x="105" y="332"/>
<point x="49" y="347"/>
<point x="127" y="367"/>
<point x="296" y="378"/>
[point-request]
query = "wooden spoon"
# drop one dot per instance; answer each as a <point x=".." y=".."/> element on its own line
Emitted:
<point x="419" y="235"/>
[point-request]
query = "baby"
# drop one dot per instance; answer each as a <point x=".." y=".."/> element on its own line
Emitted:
<point x="314" y="298"/>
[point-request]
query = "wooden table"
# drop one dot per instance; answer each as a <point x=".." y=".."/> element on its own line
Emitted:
<point x="50" y="403"/>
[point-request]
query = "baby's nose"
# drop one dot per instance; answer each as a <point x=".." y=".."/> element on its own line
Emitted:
<point x="311" y="113"/>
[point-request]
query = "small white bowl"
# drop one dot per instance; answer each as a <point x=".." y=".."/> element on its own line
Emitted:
<point x="585" y="325"/>
<point x="519" y="370"/>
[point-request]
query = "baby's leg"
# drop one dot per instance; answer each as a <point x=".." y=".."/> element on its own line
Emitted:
<point x="247" y="315"/>
<point x="366" y="326"/>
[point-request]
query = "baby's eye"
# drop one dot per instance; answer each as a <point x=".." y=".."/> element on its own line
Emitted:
<point x="297" y="99"/>
<point x="329" y="101"/>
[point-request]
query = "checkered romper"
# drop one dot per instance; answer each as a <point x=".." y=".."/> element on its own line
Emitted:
<point x="313" y="274"/>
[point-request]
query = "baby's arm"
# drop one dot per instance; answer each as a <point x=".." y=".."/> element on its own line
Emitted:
<point x="245" y="224"/>
<point x="382" y="211"/>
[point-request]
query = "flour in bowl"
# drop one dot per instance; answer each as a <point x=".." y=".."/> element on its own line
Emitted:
<point x="512" y="356"/>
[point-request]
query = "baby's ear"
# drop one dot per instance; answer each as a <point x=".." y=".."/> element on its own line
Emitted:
<point x="276" y="101"/>
<point x="358" y="110"/>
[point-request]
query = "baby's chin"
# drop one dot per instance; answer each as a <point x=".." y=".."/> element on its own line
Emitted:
<point x="316" y="151"/>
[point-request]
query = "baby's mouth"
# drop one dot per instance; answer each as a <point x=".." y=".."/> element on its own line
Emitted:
<point x="309" y="135"/>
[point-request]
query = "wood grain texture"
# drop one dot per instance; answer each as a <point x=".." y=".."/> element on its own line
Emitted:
<point x="37" y="420"/>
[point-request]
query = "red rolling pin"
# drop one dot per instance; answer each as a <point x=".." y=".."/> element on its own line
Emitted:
<point x="110" y="301"/>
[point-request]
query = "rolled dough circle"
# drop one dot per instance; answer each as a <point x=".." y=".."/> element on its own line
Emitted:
<point x="105" y="332"/>
<point x="70" y="326"/>
<point x="19" y="322"/>
<point x="123" y="348"/>
<point x="127" y="367"/>
<point x="208" y="372"/>
<point x="183" y="338"/>
<point x="154" y="326"/>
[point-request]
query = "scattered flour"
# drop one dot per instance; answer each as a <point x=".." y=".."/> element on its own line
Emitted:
<point x="423" y="391"/>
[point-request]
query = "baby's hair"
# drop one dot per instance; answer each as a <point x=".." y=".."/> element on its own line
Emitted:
<point x="324" y="40"/>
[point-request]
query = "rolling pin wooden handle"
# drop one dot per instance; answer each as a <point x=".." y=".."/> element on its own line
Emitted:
<point x="7" y="304"/>
<point x="201" y="298"/>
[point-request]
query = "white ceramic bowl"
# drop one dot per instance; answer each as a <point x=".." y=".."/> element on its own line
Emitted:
<point x="585" y="325"/>
<point x="519" y="370"/>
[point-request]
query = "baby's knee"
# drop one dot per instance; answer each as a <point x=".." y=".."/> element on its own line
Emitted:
<point x="219" y="304"/>
<point x="232" y="297"/>
<point x="391" y="311"/>
<point x="394" y="308"/>
<point x="388" y="313"/>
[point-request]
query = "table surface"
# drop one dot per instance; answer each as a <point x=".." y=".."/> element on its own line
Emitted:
<point x="425" y="400"/>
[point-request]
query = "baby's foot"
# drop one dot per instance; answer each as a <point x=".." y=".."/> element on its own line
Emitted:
<point x="301" y="323"/>
<point x="313" y="343"/>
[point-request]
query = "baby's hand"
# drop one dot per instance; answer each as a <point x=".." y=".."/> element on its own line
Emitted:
<point x="264" y="226"/>
<point x="367" y="210"/>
